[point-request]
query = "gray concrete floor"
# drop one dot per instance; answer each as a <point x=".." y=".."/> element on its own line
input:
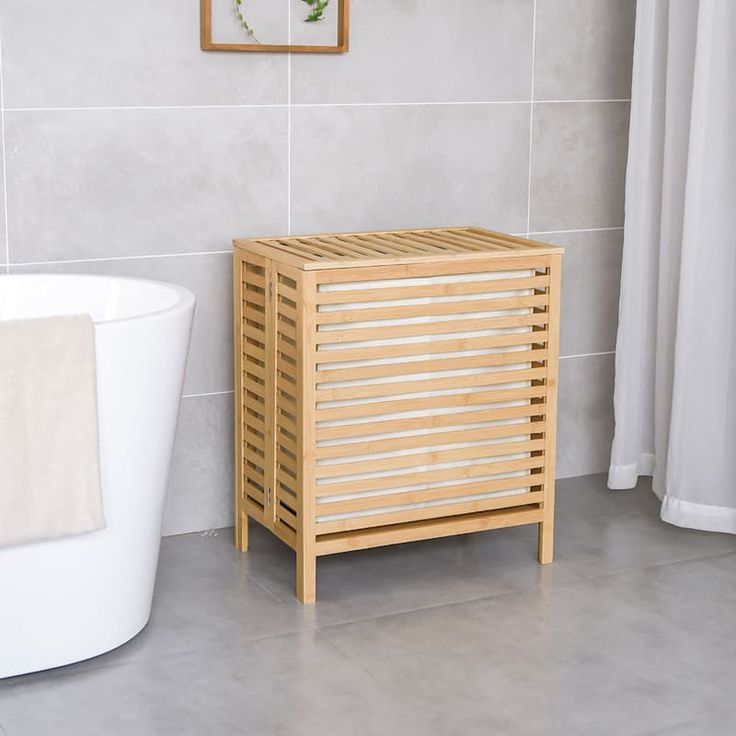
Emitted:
<point x="631" y="631"/>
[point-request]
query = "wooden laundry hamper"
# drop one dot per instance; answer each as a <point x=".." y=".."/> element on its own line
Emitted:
<point x="394" y="386"/>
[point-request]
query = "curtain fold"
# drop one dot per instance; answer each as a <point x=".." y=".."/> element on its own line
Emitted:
<point x="675" y="390"/>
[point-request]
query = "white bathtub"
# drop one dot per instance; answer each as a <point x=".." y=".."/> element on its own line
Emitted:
<point x="65" y="600"/>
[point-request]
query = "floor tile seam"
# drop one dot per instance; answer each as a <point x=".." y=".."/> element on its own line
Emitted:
<point x="450" y="604"/>
<point x="265" y="589"/>
<point x="655" y="565"/>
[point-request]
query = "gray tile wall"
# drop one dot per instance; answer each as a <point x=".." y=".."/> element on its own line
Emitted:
<point x="126" y="150"/>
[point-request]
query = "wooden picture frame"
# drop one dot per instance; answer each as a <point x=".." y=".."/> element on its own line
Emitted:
<point x="342" y="45"/>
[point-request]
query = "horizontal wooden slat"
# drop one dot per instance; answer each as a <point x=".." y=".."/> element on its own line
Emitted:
<point x="286" y="310"/>
<point x="347" y="246"/>
<point x="251" y="456"/>
<point x="286" y="515"/>
<point x="287" y="460"/>
<point x="293" y="248"/>
<point x="287" y="442"/>
<point x="255" y="351"/>
<point x="287" y="397"/>
<point x="427" y="458"/>
<point x="406" y="368"/>
<point x="448" y="241"/>
<point x="283" y="421"/>
<point x="286" y="377"/>
<point x="254" y="334"/>
<point x="431" y="512"/>
<point x="433" y="529"/>
<point x="458" y="288"/>
<point x="286" y="494"/>
<point x="451" y="264"/>
<point x="431" y="402"/>
<point x="283" y="345"/>
<point x="402" y="350"/>
<point x="433" y="309"/>
<point x="513" y="241"/>
<point x="252" y="384"/>
<point x="254" y="510"/>
<point x="366" y="503"/>
<point x="282" y="476"/>
<point x="253" y="401"/>
<point x="256" y="279"/>
<point x="252" y="298"/>
<point x="288" y="292"/>
<point x="254" y="369"/>
<point x="392" y="245"/>
<point x="426" y="440"/>
<point x="250" y="421"/>
<point x="430" y="476"/>
<point x="286" y="535"/>
<point x="474" y="380"/>
<point x="362" y="429"/>
<point x="468" y="241"/>
<point x="421" y="329"/>
<point x="253" y="436"/>
<point x="254" y="496"/>
<point x="321" y="248"/>
<point x="425" y="245"/>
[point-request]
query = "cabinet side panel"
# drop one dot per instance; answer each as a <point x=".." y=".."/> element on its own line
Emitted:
<point x="287" y="476"/>
<point x="252" y="387"/>
<point x="546" y="529"/>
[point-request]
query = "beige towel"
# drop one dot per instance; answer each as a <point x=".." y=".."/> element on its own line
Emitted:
<point x="49" y="450"/>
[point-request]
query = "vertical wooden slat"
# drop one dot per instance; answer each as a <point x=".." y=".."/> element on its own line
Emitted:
<point x="547" y="526"/>
<point x="241" y="517"/>
<point x="306" y="586"/>
<point x="269" y="506"/>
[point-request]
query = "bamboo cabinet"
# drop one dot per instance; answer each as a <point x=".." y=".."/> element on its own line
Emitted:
<point x="394" y="386"/>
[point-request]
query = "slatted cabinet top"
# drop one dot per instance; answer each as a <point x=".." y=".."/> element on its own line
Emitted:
<point x="348" y="250"/>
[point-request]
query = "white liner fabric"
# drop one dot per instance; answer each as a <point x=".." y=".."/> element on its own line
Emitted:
<point x="409" y="283"/>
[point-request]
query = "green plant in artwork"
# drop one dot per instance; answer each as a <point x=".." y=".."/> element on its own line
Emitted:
<point x="316" y="12"/>
<point x="243" y="21"/>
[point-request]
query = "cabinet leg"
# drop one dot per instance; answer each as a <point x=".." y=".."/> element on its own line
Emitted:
<point x="546" y="542"/>
<point x="241" y="531"/>
<point x="306" y="577"/>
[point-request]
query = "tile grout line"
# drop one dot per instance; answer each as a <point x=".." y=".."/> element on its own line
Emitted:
<point x="652" y="565"/>
<point x="125" y="258"/>
<point x="222" y="252"/>
<point x="4" y="165"/>
<point x="531" y="120"/>
<point x="587" y="355"/>
<point x="277" y="105"/>
<point x="578" y="230"/>
<point x="207" y="393"/>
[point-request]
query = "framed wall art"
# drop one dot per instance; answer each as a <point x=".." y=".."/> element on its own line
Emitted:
<point x="301" y="26"/>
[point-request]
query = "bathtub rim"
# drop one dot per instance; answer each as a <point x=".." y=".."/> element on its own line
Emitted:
<point x="185" y="297"/>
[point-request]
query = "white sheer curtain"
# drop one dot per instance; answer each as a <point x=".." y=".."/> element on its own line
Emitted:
<point x="675" y="394"/>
